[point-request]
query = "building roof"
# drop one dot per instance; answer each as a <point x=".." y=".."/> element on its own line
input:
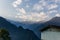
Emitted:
<point x="49" y="26"/>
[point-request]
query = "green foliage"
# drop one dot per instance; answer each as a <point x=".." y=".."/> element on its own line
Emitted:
<point x="4" y="34"/>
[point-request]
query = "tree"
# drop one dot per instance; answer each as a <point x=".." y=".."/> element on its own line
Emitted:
<point x="4" y="34"/>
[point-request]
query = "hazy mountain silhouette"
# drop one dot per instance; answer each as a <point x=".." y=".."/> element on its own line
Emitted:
<point x="53" y="21"/>
<point x="28" y="25"/>
<point x="25" y="24"/>
<point x="36" y="26"/>
<point x="17" y="33"/>
<point x="8" y="26"/>
<point x="27" y="34"/>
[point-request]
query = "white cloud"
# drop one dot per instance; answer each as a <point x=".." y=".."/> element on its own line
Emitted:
<point x="58" y="15"/>
<point x="42" y="6"/>
<point x="22" y="10"/>
<point x="34" y="16"/>
<point x="16" y="3"/>
<point x="56" y="1"/>
<point x="18" y="14"/>
<point x="23" y="17"/>
<point x="52" y="6"/>
<point x="43" y="15"/>
<point x="37" y="7"/>
<point x="52" y="11"/>
<point x="39" y="16"/>
<point x="43" y="2"/>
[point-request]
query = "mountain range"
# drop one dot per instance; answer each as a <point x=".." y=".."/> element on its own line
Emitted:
<point x="35" y="26"/>
<point x="17" y="33"/>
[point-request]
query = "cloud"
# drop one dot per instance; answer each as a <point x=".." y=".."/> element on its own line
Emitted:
<point x="52" y="6"/>
<point x="56" y="1"/>
<point x="52" y="11"/>
<point x="38" y="12"/>
<point x="22" y="10"/>
<point x="39" y="15"/>
<point x="16" y="3"/>
<point x="31" y="16"/>
<point x="40" y="5"/>
<point x="43" y="2"/>
<point x="58" y="15"/>
<point x="34" y="16"/>
<point x="43" y="15"/>
<point x="37" y="7"/>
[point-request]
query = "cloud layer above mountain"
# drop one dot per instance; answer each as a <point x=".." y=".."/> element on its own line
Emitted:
<point x="30" y="10"/>
<point x="36" y="10"/>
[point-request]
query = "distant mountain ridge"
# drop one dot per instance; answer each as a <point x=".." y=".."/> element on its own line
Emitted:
<point x="17" y="33"/>
<point x="36" y="26"/>
<point x="54" y="21"/>
<point x="8" y="26"/>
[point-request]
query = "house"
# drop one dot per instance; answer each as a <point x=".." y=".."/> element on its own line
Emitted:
<point x="50" y="32"/>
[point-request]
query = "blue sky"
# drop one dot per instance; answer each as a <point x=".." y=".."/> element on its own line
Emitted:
<point x="29" y="10"/>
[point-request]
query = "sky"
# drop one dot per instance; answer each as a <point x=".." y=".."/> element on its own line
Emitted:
<point x="29" y="10"/>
